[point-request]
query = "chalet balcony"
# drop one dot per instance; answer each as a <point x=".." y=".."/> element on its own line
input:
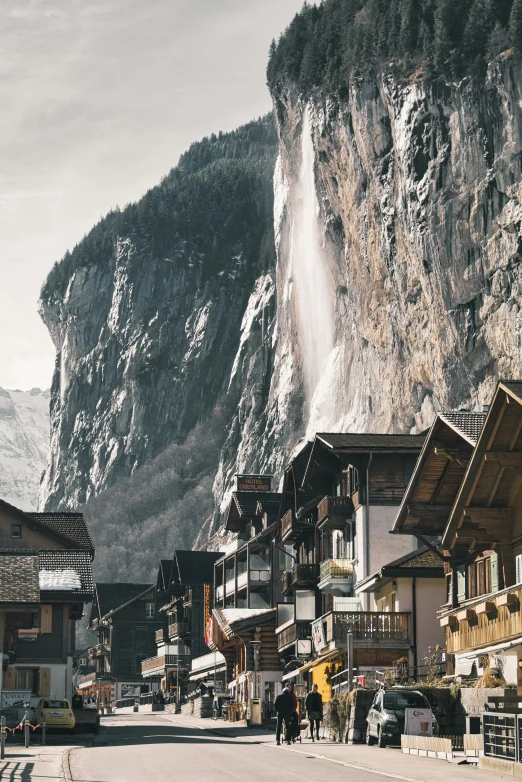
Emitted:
<point x="156" y="666"/>
<point x="178" y="630"/>
<point x="290" y="633"/>
<point x="161" y="636"/>
<point x="483" y="621"/>
<point x="293" y="530"/>
<point x="336" y="576"/>
<point x="333" y="512"/>
<point x="304" y="575"/>
<point x="370" y="629"/>
<point x="229" y="588"/>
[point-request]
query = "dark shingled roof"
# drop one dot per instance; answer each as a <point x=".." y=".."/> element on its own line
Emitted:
<point x="422" y="557"/>
<point x="19" y="579"/>
<point x="469" y="425"/>
<point x="112" y="596"/>
<point x="196" y="567"/>
<point x="79" y="561"/>
<point x="70" y="525"/>
<point x="365" y="441"/>
<point x="246" y="501"/>
<point x="269" y="503"/>
<point x="165" y="573"/>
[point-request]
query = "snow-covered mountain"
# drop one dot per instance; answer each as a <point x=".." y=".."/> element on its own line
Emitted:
<point x="24" y="442"/>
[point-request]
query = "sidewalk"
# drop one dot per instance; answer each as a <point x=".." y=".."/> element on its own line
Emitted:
<point x="389" y="763"/>
<point x="35" y="764"/>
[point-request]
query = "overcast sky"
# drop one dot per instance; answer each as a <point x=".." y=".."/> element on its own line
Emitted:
<point x="99" y="98"/>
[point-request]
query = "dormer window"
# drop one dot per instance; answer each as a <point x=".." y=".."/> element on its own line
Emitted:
<point x="16" y="531"/>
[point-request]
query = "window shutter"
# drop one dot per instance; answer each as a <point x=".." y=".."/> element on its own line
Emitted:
<point x="461" y="583"/>
<point x="10" y="679"/>
<point x="518" y="561"/>
<point x="494" y="572"/>
<point x="46" y="622"/>
<point x="44" y="682"/>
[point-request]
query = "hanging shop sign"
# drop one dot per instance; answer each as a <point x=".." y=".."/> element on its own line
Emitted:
<point x="318" y="635"/>
<point x="28" y="635"/>
<point x="253" y="483"/>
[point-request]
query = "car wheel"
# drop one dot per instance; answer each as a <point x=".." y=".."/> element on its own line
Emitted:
<point x="381" y="741"/>
<point x="370" y="740"/>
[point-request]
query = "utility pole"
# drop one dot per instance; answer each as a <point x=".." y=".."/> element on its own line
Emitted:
<point x="178" y="708"/>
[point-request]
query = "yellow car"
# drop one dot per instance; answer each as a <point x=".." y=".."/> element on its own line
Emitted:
<point x="56" y="713"/>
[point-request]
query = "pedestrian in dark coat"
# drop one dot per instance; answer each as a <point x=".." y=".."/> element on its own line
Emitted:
<point x="314" y="710"/>
<point x="284" y="706"/>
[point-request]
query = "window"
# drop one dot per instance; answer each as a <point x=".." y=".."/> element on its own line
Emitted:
<point x="478" y="578"/>
<point x="409" y="466"/>
<point x="16" y="531"/>
<point x="149" y="610"/>
<point x="27" y="679"/>
<point x="141" y="636"/>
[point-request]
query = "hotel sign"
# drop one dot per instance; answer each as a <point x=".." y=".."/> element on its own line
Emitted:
<point x="208" y="617"/>
<point x="254" y="483"/>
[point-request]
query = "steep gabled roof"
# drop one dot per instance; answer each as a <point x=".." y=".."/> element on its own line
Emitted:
<point x="422" y="563"/>
<point x="196" y="567"/>
<point x="270" y="503"/>
<point x="110" y="597"/>
<point x="468" y="424"/>
<point x="19" y="579"/>
<point x="354" y="441"/>
<point x="43" y="526"/>
<point x="69" y="525"/>
<point x="164" y="575"/>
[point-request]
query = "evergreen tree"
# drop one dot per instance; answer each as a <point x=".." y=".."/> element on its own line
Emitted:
<point x="515" y="25"/>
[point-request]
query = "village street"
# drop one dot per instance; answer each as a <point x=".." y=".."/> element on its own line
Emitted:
<point x="155" y="747"/>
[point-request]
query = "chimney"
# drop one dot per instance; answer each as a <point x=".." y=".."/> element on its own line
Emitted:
<point x="485" y="408"/>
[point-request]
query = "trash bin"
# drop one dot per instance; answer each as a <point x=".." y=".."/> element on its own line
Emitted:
<point x="256" y="716"/>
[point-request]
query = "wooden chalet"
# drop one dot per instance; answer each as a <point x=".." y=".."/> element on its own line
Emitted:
<point x="45" y="580"/>
<point x="340" y="496"/>
<point x="125" y="617"/>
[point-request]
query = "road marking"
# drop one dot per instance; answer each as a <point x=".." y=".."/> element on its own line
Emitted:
<point x="345" y="763"/>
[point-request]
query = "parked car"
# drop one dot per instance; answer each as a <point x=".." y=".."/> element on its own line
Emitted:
<point x="385" y="721"/>
<point x="57" y="713"/>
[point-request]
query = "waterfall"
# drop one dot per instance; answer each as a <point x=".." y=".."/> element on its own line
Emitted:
<point x="313" y="295"/>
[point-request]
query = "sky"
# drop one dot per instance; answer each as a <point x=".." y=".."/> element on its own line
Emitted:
<point x="99" y="98"/>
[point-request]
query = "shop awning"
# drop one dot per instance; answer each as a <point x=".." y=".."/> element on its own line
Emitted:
<point x="318" y="661"/>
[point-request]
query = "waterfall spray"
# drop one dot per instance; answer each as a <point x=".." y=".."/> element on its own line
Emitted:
<point x="310" y="277"/>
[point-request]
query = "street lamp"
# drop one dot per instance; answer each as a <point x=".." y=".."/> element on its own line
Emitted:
<point x="256" y="645"/>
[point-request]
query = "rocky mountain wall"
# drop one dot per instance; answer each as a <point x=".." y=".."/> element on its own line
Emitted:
<point x="395" y="292"/>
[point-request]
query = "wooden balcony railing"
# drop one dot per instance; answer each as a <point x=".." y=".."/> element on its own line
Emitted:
<point x="298" y="631"/>
<point x="292" y="529"/>
<point x="336" y="568"/>
<point x="286" y="582"/>
<point x="335" y="509"/>
<point x="160" y="636"/>
<point x="485" y="621"/>
<point x="369" y="628"/>
<point x="158" y="664"/>
<point x="100" y="650"/>
<point x="304" y="574"/>
<point x="178" y="629"/>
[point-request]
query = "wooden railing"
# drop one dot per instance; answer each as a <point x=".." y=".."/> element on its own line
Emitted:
<point x="335" y="506"/>
<point x="178" y="629"/>
<point x="298" y="631"/>
<point x="164" y="661"/>
<point x="368" y="628"/>
<point x="287" y="523"/>
<point x="336" y="568"/>
<point x="286" y="581"/>
<point x="304" y="574"/>
<point x="100" y="650"/>
<point x="490" y="619"/>
<point x="160" y="636"/>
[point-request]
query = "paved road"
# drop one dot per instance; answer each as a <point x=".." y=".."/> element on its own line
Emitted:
<point x="147" y="748"/>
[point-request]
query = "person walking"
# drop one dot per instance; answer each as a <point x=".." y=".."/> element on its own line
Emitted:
<point x="314" y="710"/>
<point x="284" y="706"/>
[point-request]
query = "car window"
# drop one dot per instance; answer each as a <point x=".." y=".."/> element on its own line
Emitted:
<point x="405" y="700"/>
<point x="377" y="704"/>
<point x="55" y="705"/>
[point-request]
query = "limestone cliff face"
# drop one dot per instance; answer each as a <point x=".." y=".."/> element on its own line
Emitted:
<point x="419" y="204"/>
<point x="396" y="291"/>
